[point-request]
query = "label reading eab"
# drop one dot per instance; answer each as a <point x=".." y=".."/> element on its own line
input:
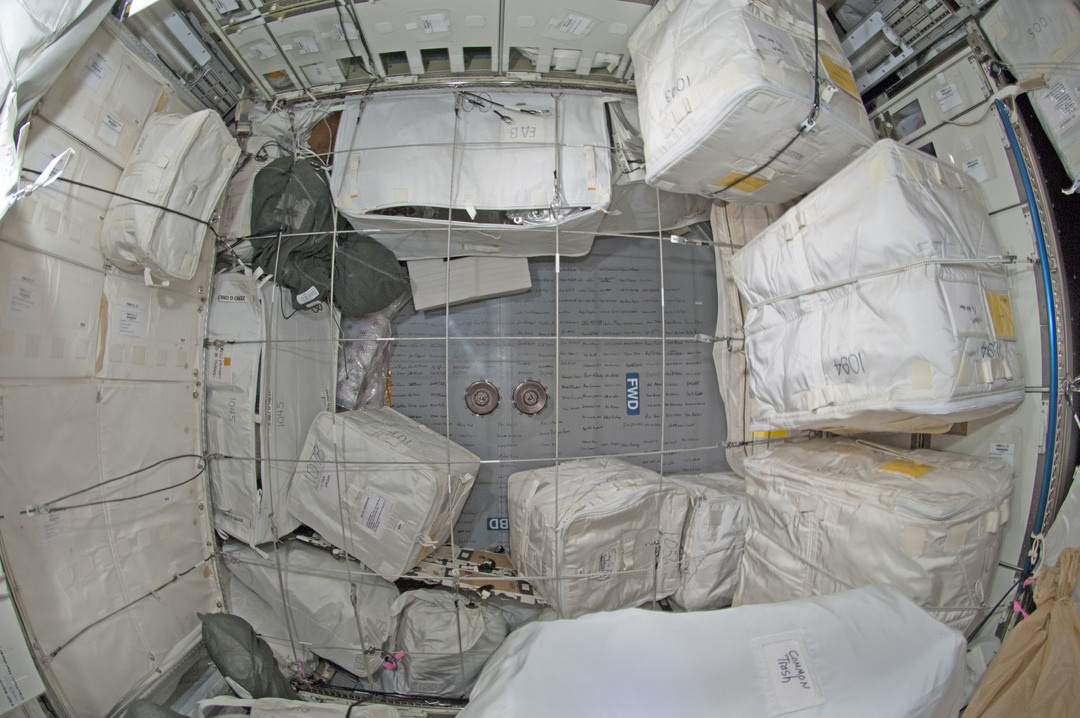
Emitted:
<point x="633" y="393"/>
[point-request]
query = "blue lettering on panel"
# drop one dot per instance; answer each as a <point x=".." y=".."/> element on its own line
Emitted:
<point x="633" y="393"/>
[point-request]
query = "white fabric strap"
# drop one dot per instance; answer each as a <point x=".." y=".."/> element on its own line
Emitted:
<point x="148" y="279"/>
<point x="221" y="702"/>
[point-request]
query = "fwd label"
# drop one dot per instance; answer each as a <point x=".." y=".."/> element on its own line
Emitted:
<point x="633" y="393"/>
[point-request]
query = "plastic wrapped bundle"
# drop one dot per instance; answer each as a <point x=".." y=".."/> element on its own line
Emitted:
<point x="827" y="515"/>
<point x="363" y="362"/>
<point x="870" y="652"/>
<point x="880" y="302"/>
<point x="591" y="529"/>
<point x="364" y="358"/>
<point x="724" y="85"/>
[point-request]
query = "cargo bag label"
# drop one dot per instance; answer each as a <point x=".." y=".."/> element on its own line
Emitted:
<point x="787" y="676"/>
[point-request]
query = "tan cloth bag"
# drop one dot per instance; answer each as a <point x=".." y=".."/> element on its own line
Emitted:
<point x="1037" y="670"/>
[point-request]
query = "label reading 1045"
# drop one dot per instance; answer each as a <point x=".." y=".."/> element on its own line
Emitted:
<point x="849" y="364"/>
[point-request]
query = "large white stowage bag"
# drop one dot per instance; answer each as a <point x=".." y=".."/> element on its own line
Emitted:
<point x="826" y="515"/>
<point x="1041" y="38"/>
<point x="397" y="485"/>
<point x="267" y="377"/>
<point x="880" y="302"/>
<point x="869" y="652"/>
<point x="435" y="660"/>
<point x="602" y="533"/>
<point x="180" y="162"/>
<point x="712" y="541"/>
<point x="510" y="171"/>
<point x="723" y="85"/>
<point x="337" y="610"/>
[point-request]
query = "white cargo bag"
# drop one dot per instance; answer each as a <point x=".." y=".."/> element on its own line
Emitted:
<point x="339" y="610"/>
<point x="267" y="377"/>
<point x="596" y="534"/>
<point x="434" y="661"/>
<point x="712" y="540"/>
<point x="826" y="515"/>
<point x="180" y="162"/>
<point x="723" y="85"/>
<point x="402" y="159"/>
<point x="1041" y="38"/>
<point x="294" y="659"/>
<point x="870" y="652"/>
<point x="880" y="302"/>
<point x="397" y="485"/>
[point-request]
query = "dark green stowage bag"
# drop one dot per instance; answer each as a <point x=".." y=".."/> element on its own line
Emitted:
<point x="291" y="196"/>
<point x="241" y="655"/>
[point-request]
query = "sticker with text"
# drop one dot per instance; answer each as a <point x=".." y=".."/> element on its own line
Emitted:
<point x="786" y="672"/>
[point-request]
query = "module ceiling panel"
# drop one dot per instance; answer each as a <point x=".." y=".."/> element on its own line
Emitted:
<point x="585" y="37"/>
<point x="319" y="47"/>
<point x="412" y="37"/>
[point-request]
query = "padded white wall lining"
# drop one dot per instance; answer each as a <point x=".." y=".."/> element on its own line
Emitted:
<point x="97" y="586"/>
<point x="100" y="376"/>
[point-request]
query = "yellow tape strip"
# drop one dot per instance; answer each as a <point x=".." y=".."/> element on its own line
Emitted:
<point x="1002" y="315"/>
<point x="905" y="467"/>
<point x="741" y="182"/>
<point x="840" y="75"/>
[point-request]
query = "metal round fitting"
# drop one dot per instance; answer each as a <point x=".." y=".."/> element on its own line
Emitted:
<point x="481" y="397"/>
<point x="530" y="397"/>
